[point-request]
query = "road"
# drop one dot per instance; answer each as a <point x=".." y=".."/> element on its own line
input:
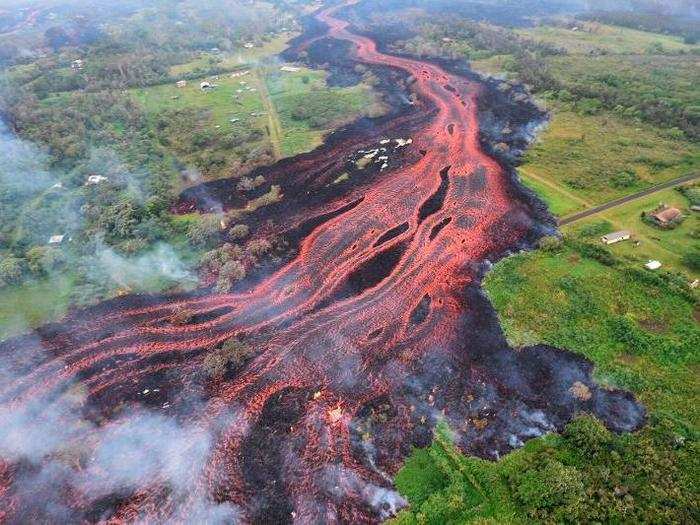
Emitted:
<point x="274" y="125"/>
<point x="628" y="198"/>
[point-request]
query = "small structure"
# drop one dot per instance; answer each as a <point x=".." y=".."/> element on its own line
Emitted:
<point x="205" y="85"/>
<point x="77" y="65"/>
<point x="237" y="74"/>
<point x="290" y="69"/>
<point x="181" y="83"/>
<point x="56" y="240"/>
<point x="665" y="216"/>
<point x="612" y="238"/>
<point x="249" y="45"/>
<point x="95" y="179"/>
<point x="695" y="207"/>
<point x="653" y="265"/>
<point x="694" y="284"/>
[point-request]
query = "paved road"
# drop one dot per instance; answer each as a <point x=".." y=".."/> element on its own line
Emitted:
<point x="628" y="198"/>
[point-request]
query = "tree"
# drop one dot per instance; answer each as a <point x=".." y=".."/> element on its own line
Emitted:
<point x="204" y="231"/>
<point x="239" y="231"/>
<point x="692" y="260"/>
<point x="231" y="272"/>
<point x="11" y="269"/>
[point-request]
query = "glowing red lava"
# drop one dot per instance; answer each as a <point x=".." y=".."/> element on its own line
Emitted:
<point x="373" y="332"/>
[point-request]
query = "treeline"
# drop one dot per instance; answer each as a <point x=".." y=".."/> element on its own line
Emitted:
<point x="687" y="28"/>
<point x="586" y="475"/>
<point x="456" y="38"/>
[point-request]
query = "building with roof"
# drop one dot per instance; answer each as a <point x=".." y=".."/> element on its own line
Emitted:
<point x="664" y="216"/>
<point x="653" y="265"/>
<point x="612" y="238"/>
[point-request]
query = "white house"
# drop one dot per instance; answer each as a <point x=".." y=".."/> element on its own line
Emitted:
<point x="612" y="238"/>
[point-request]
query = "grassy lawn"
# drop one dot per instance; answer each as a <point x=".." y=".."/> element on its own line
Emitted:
<point x="223" y="103"/>
<point x="667" y="246"/>
<point x="264" y="100"/>
<point x="234" y="59"/>
<point x="577" y="303"/>
<point x="338" y="106"/>
<point x="593" y="36"/>
<point x="33" y="304"/>
<point x="582" y="160"/>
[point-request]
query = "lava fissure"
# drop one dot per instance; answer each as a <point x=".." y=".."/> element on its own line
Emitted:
<point x="374" y="330"/>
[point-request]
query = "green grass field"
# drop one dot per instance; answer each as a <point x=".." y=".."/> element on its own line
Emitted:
<point x="667" y="246"/>
<point x="264" y="100"/>
<point x="307" y="87"/>
<point x="234" y="59"/>
<point x="33" y="304"/>
<point x="583" y="160"/>
<point x="642" y="335"/>
<point x="591" y="37"/>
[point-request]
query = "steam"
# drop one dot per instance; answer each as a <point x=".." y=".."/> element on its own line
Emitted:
<point x="19" y="156"/>
<point x="140" y="448"/>
<point x="157" y="266"/>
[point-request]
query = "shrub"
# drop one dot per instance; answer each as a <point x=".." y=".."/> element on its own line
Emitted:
<point x="214" y="260"/>
<point x="11" y="269"/>
<point x="550" y="244"/>
<point x="232" y="272"/>
<point x="624" y="179"/>
<point x="204" y="231"/>
<point x="691" y="259"/>
<point x="239" y="231"/>
<point x="42" y="259"/>
<point x="233" y="354"/>
<point x="259" y="247"/>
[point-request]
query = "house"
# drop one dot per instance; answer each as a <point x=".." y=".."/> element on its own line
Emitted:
<point x="205" y="85"/>
<point x="612" y="238"/>
<point x="653" y="265"/>
<point x="77" y="65"/>
<point x="249" y="45"/>
<point x="237" y="74"/>
<point x="290" y="69"/>
<point x="665" y="216"/>
<point x="95" y="179"/>
<point x="55" y="240"/>
<point x="181" y="83"/>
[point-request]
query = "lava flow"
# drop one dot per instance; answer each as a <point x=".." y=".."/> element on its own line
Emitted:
<point x="374" y="332"/>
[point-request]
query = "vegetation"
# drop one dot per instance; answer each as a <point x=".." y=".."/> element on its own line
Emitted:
<point x="669" y="246"/>
<point x="232" y="354"/>
<point x="638" y="328"/>
<point x="622" y="105"/>
<point x="582" y="160"/>
<point x="117" y="118"/>
<point x="585" y="475"/>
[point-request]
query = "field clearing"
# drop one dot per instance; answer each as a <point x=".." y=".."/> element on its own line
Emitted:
<point x="593" y="159"/>
<point x="33" y="304"/>
<point x="577" y="303"/>
<point x="667" y="246"/>
<point x="593" y="36"/>
<point x="234" y="59"/>
<point x="266" y="100"/>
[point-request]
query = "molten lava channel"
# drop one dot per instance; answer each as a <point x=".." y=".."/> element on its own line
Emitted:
<point x="375" y="331"/>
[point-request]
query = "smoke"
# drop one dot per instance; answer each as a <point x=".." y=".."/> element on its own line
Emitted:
<point x="152" y="269"/>
<point x="57" y="447"/>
